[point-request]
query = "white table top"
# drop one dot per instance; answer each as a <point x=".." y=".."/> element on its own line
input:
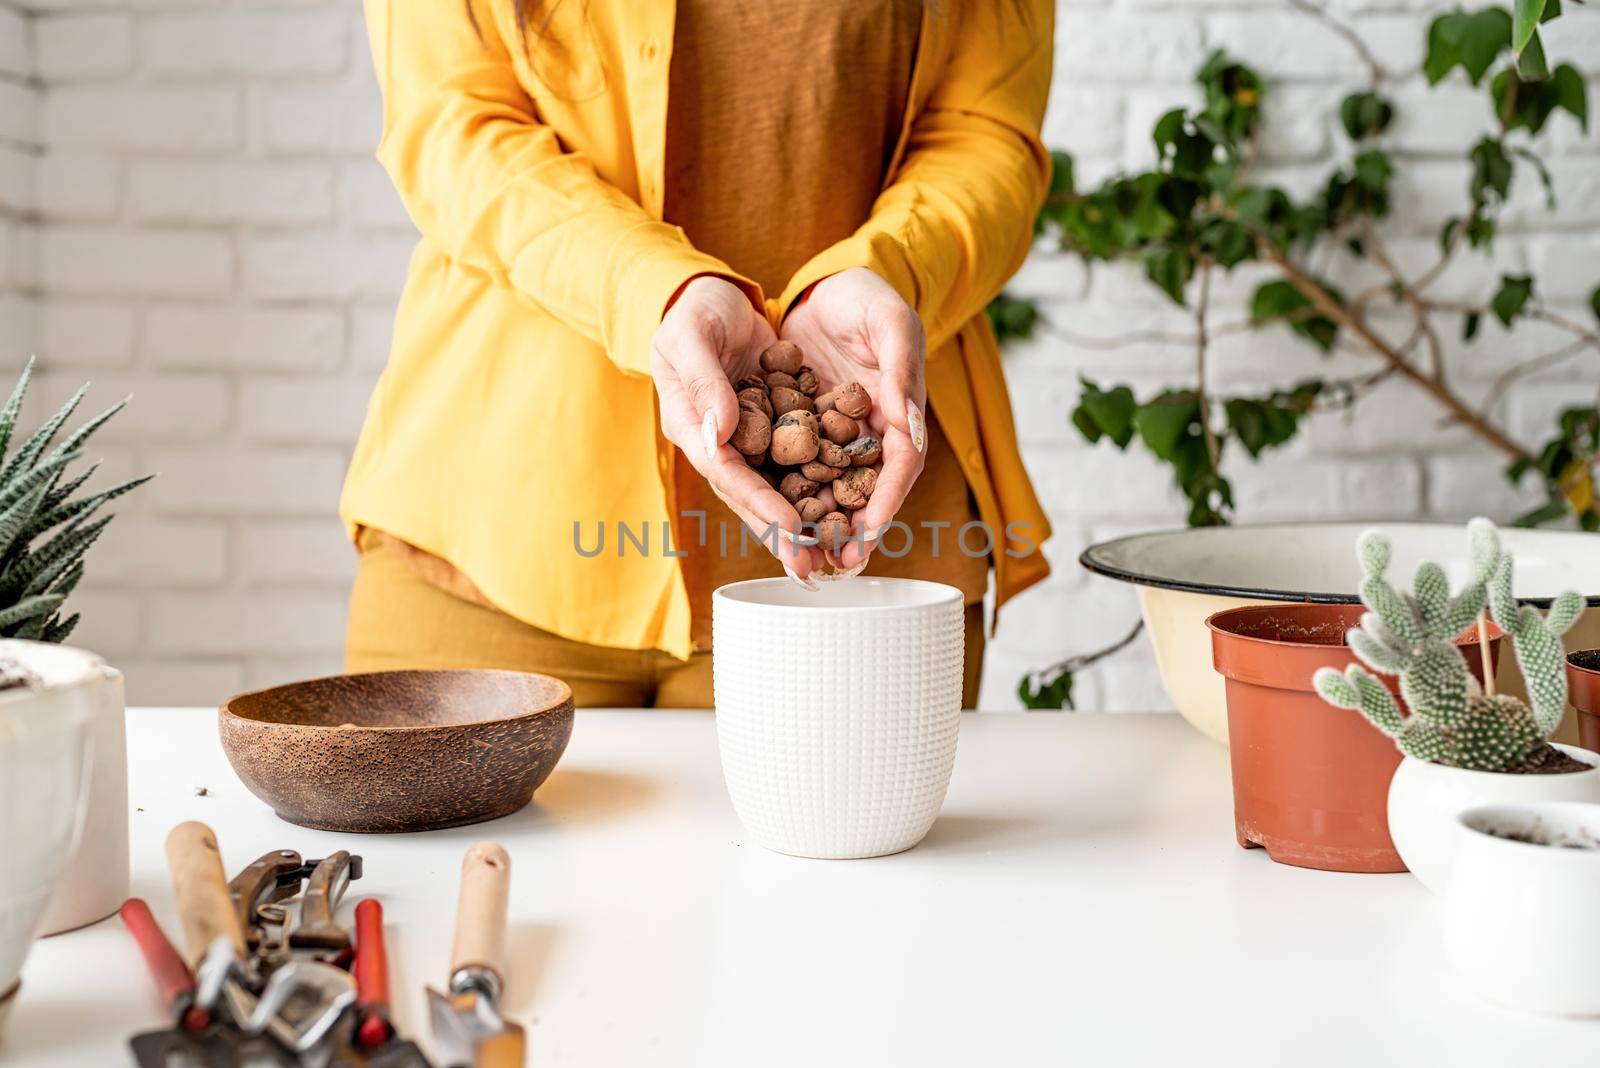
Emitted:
<point x="1080" y="897"/>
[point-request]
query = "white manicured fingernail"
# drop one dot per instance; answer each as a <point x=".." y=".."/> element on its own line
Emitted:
<point x="840" y="576"/>
<point x="919" y="429"/>
<point x="708" y="433"/>
<point x="870" y="536"/>
<point x="798" y="539"/>
<point x="804" y="583"/>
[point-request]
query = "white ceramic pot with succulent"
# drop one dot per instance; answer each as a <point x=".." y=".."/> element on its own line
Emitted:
<point x="1464" y="747"/>
<point x="46" y="707"/>
<point x="1518" y="915"/>
<point x="48" y="522"/>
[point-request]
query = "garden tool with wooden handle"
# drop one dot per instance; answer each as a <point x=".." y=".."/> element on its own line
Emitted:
<point x="468" y="1030"/>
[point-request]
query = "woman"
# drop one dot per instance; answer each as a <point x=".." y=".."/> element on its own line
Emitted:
<point x="622" y="203"/>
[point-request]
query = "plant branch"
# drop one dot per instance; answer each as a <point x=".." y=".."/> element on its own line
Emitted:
<point x="1324" y="302"/>
<point x="1083" y="660"/>
<point x="1375" y="72"/>
<point x="1202" y="307"/>
<point x="1504" y="380"/>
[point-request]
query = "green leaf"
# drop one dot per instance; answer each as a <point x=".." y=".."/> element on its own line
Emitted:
<point x="8" y="417"/>
<point x="1055" y="694"/>
<point x="1373" y="169"/>
<point x="1165" y="422"/>
<point x="1364" y="115"/>
<point x="1491" y="170"/>
<point x="30" y="608"/>
<point x="1513" y="296"/>
<point x="1167" y="129"/>
<point x="30" y="450"/>
<point x="1012" y="318"/>
<point x="1108" y="412"/>
<point x="1531" y="64"/>
<point x="1469" y="326"/>
<point x="1170" y="268"/>
<point x="1525" y="18"/>
<point x="1273" y="300"/>
<point x="1594" y="302"/>
<point x="1485" y="34"/>
<point x="1571" y="93"/>
<point x="1545" y="513"/>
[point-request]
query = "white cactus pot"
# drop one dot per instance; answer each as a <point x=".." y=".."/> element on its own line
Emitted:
<point x="45" y="749"/>
<point x="837" y="711"/>
<point x="1518" y="917"/>
<point x="1426" y="798"/>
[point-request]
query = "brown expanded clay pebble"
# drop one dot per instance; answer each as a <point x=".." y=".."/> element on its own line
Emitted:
<point x="753" y="434"/>
<point x="784" y="356"/>
<point x="786" y="400"/>
<point x="853" y="488"/>
<point x="810" y="509"/>
<point x="839" y="428"/>
<point x="833" y="530"/>
<point x="851" y="399"/>
<point x="864" y="451"/>
<point x="800" y="441"/>
<point x="796" y="487"/>
<point x="793" y="442"/>
<point x="755" y="399"/>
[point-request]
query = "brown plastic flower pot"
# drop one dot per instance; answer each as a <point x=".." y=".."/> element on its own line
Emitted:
<point x="1583" y="690"/>
<point x="1310" y="781"/>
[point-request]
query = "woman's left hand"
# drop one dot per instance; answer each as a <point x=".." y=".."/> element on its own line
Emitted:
<point x="853" y="326"/>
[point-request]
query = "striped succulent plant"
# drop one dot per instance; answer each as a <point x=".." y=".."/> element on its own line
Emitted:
<point x="44" y="530"/>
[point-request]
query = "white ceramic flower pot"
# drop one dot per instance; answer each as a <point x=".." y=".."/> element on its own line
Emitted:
<point x="1426" y="798"/>
<point x="1518" y="918"/>
<point x="837" y="711"/>
<point x="45" y="747"/>
<point x="95" y="883"/>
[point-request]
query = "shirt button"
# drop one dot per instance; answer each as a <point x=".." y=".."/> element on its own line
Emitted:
<point x="975" y="458"/>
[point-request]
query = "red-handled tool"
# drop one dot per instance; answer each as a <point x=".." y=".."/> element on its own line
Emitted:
<point x="375" y="1030"/>
<point x="372" y="975"/>
<point x="172" y="976"/>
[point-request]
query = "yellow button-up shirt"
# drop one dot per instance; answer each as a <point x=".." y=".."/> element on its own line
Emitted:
<point x="516" y="415"/>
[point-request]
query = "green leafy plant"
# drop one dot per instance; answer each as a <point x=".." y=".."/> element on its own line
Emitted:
<point x="44" y="529"/>
<point x="1199" y="211"/>
<point x="1411" y="635"/>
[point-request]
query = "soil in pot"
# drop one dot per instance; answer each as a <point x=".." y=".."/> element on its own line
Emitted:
<point x="1310" y="781"/>
<point x="1583" y="686"/>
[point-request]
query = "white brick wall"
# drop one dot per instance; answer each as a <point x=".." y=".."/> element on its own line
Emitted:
<point x="189" y="212"/>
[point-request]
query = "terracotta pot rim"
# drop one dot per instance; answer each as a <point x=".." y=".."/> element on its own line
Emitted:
<point x="562" y="702"/>
<point x="1214" y="623"/>
<point x="1594" y="654"/>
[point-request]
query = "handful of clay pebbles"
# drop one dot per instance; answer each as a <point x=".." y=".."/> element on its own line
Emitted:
<point x="801" y="442"/>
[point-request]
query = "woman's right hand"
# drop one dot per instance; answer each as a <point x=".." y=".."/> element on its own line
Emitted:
<point x="711" y="337"/>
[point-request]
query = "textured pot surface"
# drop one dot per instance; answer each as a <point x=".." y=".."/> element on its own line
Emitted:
<point x="1425" y="799"/>
<point x="1583" y="690"/>
<point x="395" y="751"/>
<point x="1183" y="576"/>
<point x="95" y="883"/>
<point x="1518" y="917"/>
<point x="837" y="711"/>
<point x="44" y="756"/>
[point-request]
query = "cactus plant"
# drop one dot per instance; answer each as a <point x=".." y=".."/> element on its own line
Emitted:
<point x="36" y="498"/>
<point x="1452" y="720"/>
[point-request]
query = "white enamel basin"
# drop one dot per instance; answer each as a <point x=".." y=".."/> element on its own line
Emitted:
<point x="1185" y="575"/>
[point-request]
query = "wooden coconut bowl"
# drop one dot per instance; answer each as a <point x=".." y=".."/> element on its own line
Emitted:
<point x="395" y="751"/>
